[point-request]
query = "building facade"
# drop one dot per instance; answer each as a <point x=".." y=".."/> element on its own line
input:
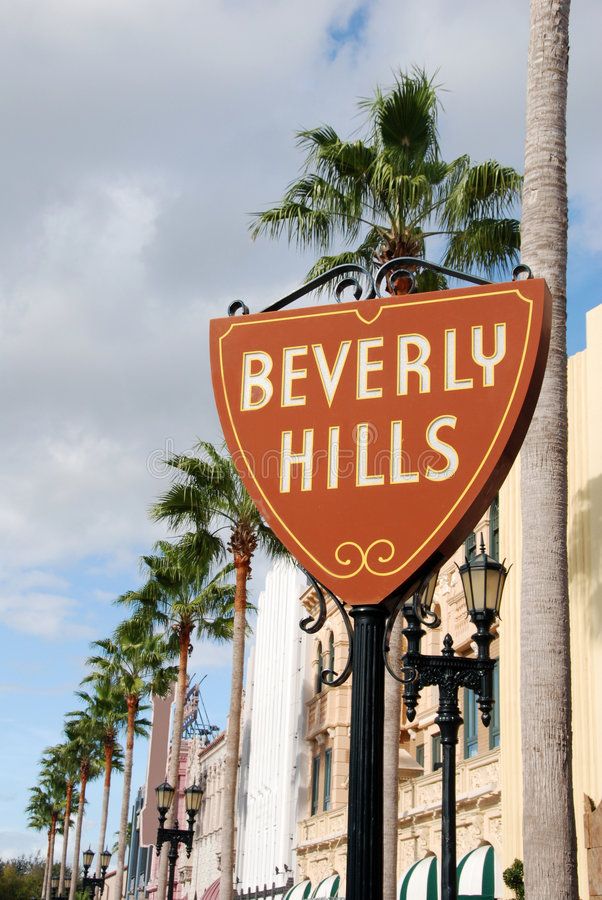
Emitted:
<point x="205" y="766"/>
<point x="272" y="781"/>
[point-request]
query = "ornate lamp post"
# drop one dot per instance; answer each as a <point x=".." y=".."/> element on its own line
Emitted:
<point x="483" y="580"/>
<point x="54" y="884"/>
<point x="90" y="884"/>
<point x="176" y="836"/>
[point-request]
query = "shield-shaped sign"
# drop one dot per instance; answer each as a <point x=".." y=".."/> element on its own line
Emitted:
<point x="373" y="435"/>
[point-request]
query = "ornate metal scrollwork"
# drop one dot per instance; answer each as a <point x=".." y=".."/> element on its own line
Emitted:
<point x="345" y="277"/>
<point x="238" y="306"/>
<point x="344" y="280"/>
<point x="311" y="625"/>
<point x="522" y="269"/>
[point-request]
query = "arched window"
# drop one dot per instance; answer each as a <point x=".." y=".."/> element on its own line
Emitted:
<point x="319" y="668"/>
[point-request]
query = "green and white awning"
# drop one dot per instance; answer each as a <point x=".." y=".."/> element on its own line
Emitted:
<point x="299" y="891"/>
<point x="328" y="887"/>
<point x="480" y="875"/>
<point x="420" y="881"/>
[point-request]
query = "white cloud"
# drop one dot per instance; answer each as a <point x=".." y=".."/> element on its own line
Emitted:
<point x="206" y="655"/>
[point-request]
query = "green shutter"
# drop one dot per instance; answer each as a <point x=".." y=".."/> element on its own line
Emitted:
<point x="494" y="727"/>
<point x="327" y="778"/>
<point x="315" y="785"/>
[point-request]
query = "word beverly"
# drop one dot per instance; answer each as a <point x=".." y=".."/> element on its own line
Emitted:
<point x="412" y="374"/>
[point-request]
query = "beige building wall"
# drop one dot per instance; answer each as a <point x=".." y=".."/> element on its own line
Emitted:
<point x="585" y="574"/>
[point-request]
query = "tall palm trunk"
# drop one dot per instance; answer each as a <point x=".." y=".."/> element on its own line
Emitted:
<point x="176" y="744"/>
<point x="47" y="866"/>
<point x="66" y="828"/>
<point x="548" y="814"/>
<point x="51" y="838"/>
<point x="243" y="570"/>
<point x="391" y="767"/>
<point x="109" y="749"/>
<point x="84" y="773"/>
<point x="133" y="702"/>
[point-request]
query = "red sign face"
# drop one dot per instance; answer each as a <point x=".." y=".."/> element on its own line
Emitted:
<point x="373" y="435"/>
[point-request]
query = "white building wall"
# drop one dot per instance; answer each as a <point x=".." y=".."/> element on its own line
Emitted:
<point x="272" y="762"/>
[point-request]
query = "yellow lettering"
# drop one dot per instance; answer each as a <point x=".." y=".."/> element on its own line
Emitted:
<point x="256" y="380"/>
<point x="451" y="382"/>
<point x="288" y="459"/>
<point x="365" y="366"/>
<point x="398" y="476"/>
<point x="330" y="378"/>
<point x="435" y="443"/>
<point x="488" y="363"/>
<point x="290" y="374"/>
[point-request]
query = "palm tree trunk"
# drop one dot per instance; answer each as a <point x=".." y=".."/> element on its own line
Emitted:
<point x="66" y="827"/>
<point x="391" y="767"/>
<point x="133" y="702"/>
<point x="548" y="813"/>
<point x="47" y="866"/>
<point x="78" y="832"/>
<point x="176" y="744"/>
<point x="52" y="836"/>
<point x="109" y="749"/>
<point x="233" y="734"/>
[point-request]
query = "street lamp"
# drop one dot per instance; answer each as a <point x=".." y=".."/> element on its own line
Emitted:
<point x="175" y="836"/>
<point x="483" y="580"/>
<point x="89" y="883"/>
<point x="54" y="884"/>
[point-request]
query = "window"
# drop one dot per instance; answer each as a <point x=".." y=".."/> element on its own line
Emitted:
<point x="319" y="668"/>
<point x="436" y="752"/>
<point x="420" y="754"/>
<point x="327" y="778"/>
<point x="470" y="546"/>
<point x="315" y="784"/>
<point x="494" y="726"/>
<point x="471" y="724"/>
<point x="494" y="529"/>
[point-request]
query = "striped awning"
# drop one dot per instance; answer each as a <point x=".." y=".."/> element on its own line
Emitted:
<point x="212" y="892"/>
<point x="299" y="891"/>
<point x="328" y="887"/>
<point x="480" y="874"/>
<point x="420" y="881"/>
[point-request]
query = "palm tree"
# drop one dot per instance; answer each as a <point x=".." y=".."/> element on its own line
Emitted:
<point x="134" y="660"/>
<point x="43" y="813"/>
<point x="66" y="760"/>
<point x="548" y="813"/>
<point x="208" y="491"/>
<point x="383" y="196"/>
<point x="108" y="707"/>
<point x="181" y="597"/>
<point x="84" y="732"/>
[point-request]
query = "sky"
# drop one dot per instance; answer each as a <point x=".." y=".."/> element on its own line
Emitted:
<point x="137" y="137"/>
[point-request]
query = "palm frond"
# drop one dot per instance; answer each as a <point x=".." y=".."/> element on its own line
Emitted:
<point x="487" y="190"/>
<point x="489" y="245"/>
